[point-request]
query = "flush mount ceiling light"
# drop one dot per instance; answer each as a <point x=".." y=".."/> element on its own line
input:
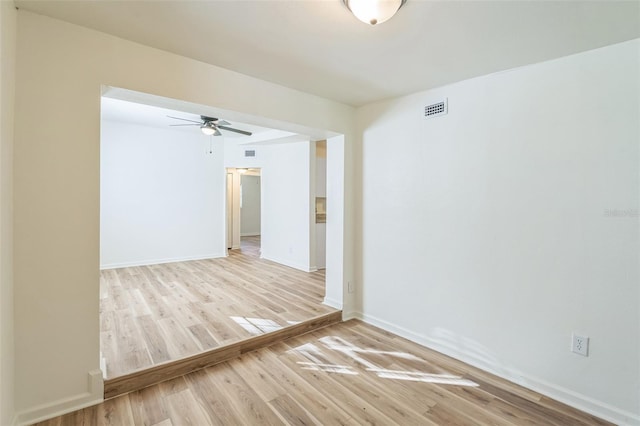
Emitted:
<point x="374" y="12"/>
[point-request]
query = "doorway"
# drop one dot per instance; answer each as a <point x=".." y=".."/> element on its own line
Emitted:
<point x="250" y="212"/>
<point x="244" y="210"/>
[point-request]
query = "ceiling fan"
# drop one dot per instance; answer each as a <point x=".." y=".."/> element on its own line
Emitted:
<point x="210" y="126"/>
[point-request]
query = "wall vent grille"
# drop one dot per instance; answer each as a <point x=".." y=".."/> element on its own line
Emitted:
<point x="250" y="153"/>
<point x="437" y="109"/>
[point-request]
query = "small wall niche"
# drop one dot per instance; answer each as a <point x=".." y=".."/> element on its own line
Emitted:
<point x="321" y="209"/>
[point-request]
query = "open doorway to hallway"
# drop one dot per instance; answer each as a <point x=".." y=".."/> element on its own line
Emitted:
<point x="244" y="209"/>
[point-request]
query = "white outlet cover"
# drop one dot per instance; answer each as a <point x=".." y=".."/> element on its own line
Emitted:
<point x="580" y="344"/>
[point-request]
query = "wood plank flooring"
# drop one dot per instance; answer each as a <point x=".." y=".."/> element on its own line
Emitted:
<point x="150" y="315"/>
<point x="162" y="372"/>
<point x="346" y="374"/>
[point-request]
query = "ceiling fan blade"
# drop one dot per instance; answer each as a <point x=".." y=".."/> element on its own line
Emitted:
<point x="222" y="123"/>
<point x="242" y="132"/>
<point x="174" y="125"/>
<point x="184" y="119"/>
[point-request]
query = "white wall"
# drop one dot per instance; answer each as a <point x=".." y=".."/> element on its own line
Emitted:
<point x="60" y="69"/>
<point x="250" y="211"/>
<point x="233" y="198"/>
<point x="286" y="201"/>
<point x="286" y="205"/>
<point x="8" y="18"/>
<point x="234" y="155"/>
<point x="161" y="195"/>
<point x="321" y="191"/>
<point x="485" y="232"/>
<point x="337" y="255"/>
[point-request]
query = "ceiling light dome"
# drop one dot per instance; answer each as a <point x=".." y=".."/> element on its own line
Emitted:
<point x="374" y="12"/>
<point x="208" y="128"/>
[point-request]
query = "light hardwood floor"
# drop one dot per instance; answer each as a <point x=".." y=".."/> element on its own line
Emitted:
<point x="345" y="374"/>
<point x="151" y="315"/>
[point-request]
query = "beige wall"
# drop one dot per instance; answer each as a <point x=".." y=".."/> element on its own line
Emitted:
<point x="60" y="69"/>
<point x="7" y="72"/>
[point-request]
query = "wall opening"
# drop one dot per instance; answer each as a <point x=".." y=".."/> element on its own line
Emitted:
<point x="186" y="196"/>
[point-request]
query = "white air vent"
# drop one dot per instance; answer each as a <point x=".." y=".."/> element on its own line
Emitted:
<point x="250" y="153"/>
<point x="436" y="109"/>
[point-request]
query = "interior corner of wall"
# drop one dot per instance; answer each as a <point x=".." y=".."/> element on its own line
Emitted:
<point x="336" y="304"/>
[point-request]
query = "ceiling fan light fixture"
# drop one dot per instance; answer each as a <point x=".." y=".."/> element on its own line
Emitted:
<point x="210" y="126"/>
<point x="374" y="12"/>
<point x="209" y="129"/>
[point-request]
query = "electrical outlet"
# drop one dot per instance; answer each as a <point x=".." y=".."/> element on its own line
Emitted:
<point x="350" y="286"/>
<point x="580" y="345"/>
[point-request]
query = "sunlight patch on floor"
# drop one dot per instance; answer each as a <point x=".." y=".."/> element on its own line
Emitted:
<point x="442" y="379"/>
<point x="318" y="361"/>
<point x="327" y="368"/>
<point x="257" y="326"/>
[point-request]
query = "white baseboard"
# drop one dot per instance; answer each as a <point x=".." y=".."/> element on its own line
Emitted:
<point x="288" y="263"/>
<point x="250" y="234"/>
<point x="146" y="262"/>
<point x="335" y="304"/>
<point x="94" y="395"/>
<point x="559" y="393"/>
<point x="349" y="315"/>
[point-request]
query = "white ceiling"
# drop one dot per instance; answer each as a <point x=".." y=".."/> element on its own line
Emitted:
<point x="119" y="110"/>
<point x="318" y="47"/>
<point x="147" y="115"/>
